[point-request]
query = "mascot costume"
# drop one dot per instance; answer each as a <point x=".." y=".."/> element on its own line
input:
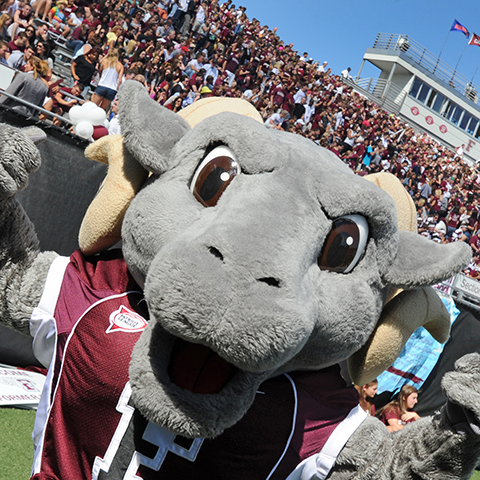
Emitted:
<point x="252" y="263"/>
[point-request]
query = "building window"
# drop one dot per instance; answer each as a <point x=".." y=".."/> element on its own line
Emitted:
<point x="417" y="83"/>
<point x="472" y="126"/>
<point x="445" y="107"/>
<point x="465" y="121"/>
<point x="423" y="93"/>
<point x="456" y="114"/>
<point x="438" y="102"/>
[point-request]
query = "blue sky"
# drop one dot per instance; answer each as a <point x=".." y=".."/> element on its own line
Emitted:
<point x="340" y="31"/>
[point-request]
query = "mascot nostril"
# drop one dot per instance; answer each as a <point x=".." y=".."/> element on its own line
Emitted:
<point x="173" y="336"/>
<point x="273" y="282"/>
<point x="215" y="252"/>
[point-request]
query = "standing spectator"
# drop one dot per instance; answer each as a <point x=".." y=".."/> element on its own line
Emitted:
<point x="346" y="74"/>
<point x="199" y="22"/>
<point x="83" y="68"/>
<point x="231" y="64"/>
<point x="111" y="73"/>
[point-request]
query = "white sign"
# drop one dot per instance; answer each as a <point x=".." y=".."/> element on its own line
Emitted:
<point x="468" y="286"/>
<point x="20" y="388"/>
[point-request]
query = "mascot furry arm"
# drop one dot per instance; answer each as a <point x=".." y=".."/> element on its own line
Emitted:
<point x="262" y="262"/>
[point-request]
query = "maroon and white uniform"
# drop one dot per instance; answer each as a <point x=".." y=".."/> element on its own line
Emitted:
<point x="89" y="318"/>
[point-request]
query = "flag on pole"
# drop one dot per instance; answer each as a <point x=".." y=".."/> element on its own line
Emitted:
<point x="475" y="40"/>
<point x="457" y="26"/>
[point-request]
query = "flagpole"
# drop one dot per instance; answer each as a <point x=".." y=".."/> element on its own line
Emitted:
<point x="444" y="43"/>
<point x="459" y="59"/>
<point x="471" y="81"/>
<point x="441" y="51"/>
<point x="476" y="41"/>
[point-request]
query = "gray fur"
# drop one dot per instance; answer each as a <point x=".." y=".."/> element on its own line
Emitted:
<point x="426" y="449"/>
<point x="139" y="119"/>
<point x="304" y="323"/>
<point x="437" y="448"/>
<point x="204" y="269"/>
<point x="22" y="270"/>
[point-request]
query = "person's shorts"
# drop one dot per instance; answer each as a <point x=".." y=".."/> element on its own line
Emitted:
<point x="105" y="92"/>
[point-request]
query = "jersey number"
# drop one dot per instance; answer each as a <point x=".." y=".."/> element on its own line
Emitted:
<point x="113" y="466"/>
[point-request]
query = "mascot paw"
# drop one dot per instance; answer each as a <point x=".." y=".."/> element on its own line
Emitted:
<point x="18" y="157"/>
<point x="462" y="389"/>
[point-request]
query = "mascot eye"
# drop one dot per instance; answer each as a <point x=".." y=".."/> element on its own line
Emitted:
<point x="344" y="244"/>
<point x="214" y="175"/>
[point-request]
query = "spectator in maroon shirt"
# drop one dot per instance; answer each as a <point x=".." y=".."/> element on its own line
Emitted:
<point x="231" y="64"/>
<point x="196" y="80"/>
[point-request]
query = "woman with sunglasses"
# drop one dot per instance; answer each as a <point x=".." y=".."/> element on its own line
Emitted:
<point x="30" y="33"/>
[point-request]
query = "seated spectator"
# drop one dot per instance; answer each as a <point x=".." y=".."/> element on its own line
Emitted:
<point x="78" y="38"/>
<point x="5" y="22"/>
<point x="22" y="18"/>
<point x="42" y="7"/>
<point x="196" y="80"/>
<point x="366" y="393"/>
<point x="3" y="51"/>
<point x="59" y="103"/>
<point x="396" y="414"/>
<point x="19" y="43"/>
<point x="276" y="120"/>
<point x="30" y="32"/>
<point x="29" y="86"/>
<point x="58" y="19"/>
<point x="195" y="65"/>
<point x="41" y="34"/>
<point x="473" y="269"/>
<point x="19" y="59"/>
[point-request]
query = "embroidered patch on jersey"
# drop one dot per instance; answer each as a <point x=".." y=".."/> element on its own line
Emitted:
<point x="124" y="320"/>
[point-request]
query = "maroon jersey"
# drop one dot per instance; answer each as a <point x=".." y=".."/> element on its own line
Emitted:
<point x="93" y="431"/>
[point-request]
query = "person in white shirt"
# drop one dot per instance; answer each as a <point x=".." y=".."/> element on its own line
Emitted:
<point x="346" y="74"/>
<point x="276" y="120"/>
<point x="199" y="20"/>
<point x="114" y="127"/>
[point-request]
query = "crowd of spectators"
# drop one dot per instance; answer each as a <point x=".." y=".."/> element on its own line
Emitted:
<point x="183" y="50"/>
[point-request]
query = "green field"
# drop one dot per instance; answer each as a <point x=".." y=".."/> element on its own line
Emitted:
<point x="16" y="452"/>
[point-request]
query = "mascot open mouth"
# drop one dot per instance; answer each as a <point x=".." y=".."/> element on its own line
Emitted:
<point x="198" y="369"/>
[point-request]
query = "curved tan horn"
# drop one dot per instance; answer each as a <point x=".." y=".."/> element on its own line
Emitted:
<point x="101" y="226"/>
<point x="408" y="311"/>
<point x="207" y="107"/>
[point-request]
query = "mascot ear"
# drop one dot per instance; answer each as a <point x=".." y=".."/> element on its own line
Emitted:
<point x="149" y="130"/>
<point x="420" y="261"/>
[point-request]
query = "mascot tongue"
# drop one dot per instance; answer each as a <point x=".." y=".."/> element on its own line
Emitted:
<point x="196" y="368"/>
